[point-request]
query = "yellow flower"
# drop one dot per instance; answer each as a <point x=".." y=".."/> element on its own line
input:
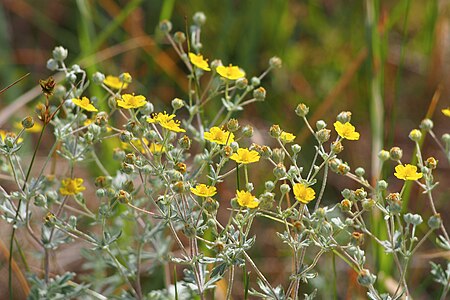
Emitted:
<point x="287" y="137"/>
<point x="131" y="101"/>
<point x="36" y="128"/>
<point x="446" y="111"/>
<point x="156" y="148"/>
<point x="203" y="190"/>
<point x="166" y="121"/>
<point x="346" y="131"/>
<point x="4" y="134"/>
<point x="407" y="172"/>
<point x="84" y="103"/>
<point x="246" y="199"/>
<point x="219" y="136"/>
<point x="115" y="82"/>
<point x="198" y="61"/>
<point x="231" y="72"/>
<point x="71" y="186"/>
<point x="245" y="156"/>
<point x="303" y="193"/>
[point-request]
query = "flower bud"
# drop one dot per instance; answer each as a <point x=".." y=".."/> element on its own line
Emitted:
<point x="123" y="196"/>
<point x="100" y="193"/>
<point x="279" y="171"/>
<point x="241" y="83"/>
<point x="296" y="148"/>
<point x="383" y="155"/>
<point x="102" y="181"/>
<point x="52" y="64"/>
<point x="255" y="81"/>
<point x="179" y="37"/>
<point x="177" y="103"/>
<point x="343" y="169"/>
<point x="125" y="136"/>
<point x="72" y="77"/>
<point x="259" y="93"/>
<point x="147" y="108"/>
<point x="360" y="172"/>
<point x="165" y="26"/>
<point x="278" y="155"/>
<point x="232" y="125"/>
<point x="275" y="131"/>
<point x="431" y="163"/>
<point x="118" y="154"/>
<point x="434" y="222"/>
<point x="127" y="168"/>
<point x="382" y="185"/>
<point x="47" y="86"/>
<point x="346" y="205"/>
<point x="360" y="194"/>
<point x="302" y="110"/>
<point x="426" y="124"/>
<point x="247" y="131"/>
<point x="266" y="152"/>
<point x="446" y="138"/>
<point x="395" y="153"/>
<point x="60" y="53"/>
<point x="234" y="146"/>
<point x="76" y="68"/>
<point x="357" y="238"/>
<point x="199" y="18"/>
<point x="285" y="188"/>
<point x="27" y="122"/>
<point x="344" y="117"/>
<point x="98" y="78"/>
<point x="320" y="124"/>
<point x="185" y="142"/>
<point x="337" y="147"/>
<point x="415" y="135"/>
<point x="179" y="187"/>
<point x="129" y="158"/>
<point x="269" y="185"/>
<point x="346" y="193"/>
<point x="275" y="62"/>
<point x="413" y="219"/>
<point x="323" y="135"/>
<point x="365" y="278"/>
<point x="368" y="204"/>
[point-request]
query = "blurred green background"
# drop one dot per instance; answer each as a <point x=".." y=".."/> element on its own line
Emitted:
<point x="382" y="60"/>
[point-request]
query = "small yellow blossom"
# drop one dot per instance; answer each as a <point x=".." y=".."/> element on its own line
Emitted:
<point x="219" y="136"/>
<point x="4" y="134"/>
<point x="84" y="103"/>
<point x="245" y="156"/>
<point x="71" y="186"/>
<point x="198" y="61"/>
<point x="246" y="199"/>
<point x="231" y="72"/>
<point x="166" y="121"/>
<point x="287" y="137"/>
<point x="115" y="82"/>
<point x="346" y="131"/>
<point x="303" y="193"/>
<point x="203" y="190"/>
<point x="446" y="111"/>
<point x="131" y="101"/>
<point x="36" y="128"/>
<point x="407" y="172"/>
<point x="156" y="148"/>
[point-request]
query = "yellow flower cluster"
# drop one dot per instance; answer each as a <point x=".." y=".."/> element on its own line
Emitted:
<point x="303" y="193"/>
<point x="246" y="199"/>
<point x="131" y="101"/>
<point x="219" y="136"/>
<point x="245" y="156"/>
<point x="346" y="131"/>
<point x="407" y="172"/>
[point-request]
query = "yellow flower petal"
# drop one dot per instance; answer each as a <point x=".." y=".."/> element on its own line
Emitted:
<point x="84" y="103"/>
<point x="245" y="156"/>
<point x="446" y="111"/>
<point x="203" y="190"/>
<point x="407" y="172"/>
<point x="131" y="101"/>
<point x="346" y="131"/>
<point x="219" y="136"/>
<point x="231" y="72"/>
<point x="71" y="186"/>
<point x="246" y="199"/>
<point x="115" y="82"/>
<point x="198" y="61"/>
<point x="303" y="193"/>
